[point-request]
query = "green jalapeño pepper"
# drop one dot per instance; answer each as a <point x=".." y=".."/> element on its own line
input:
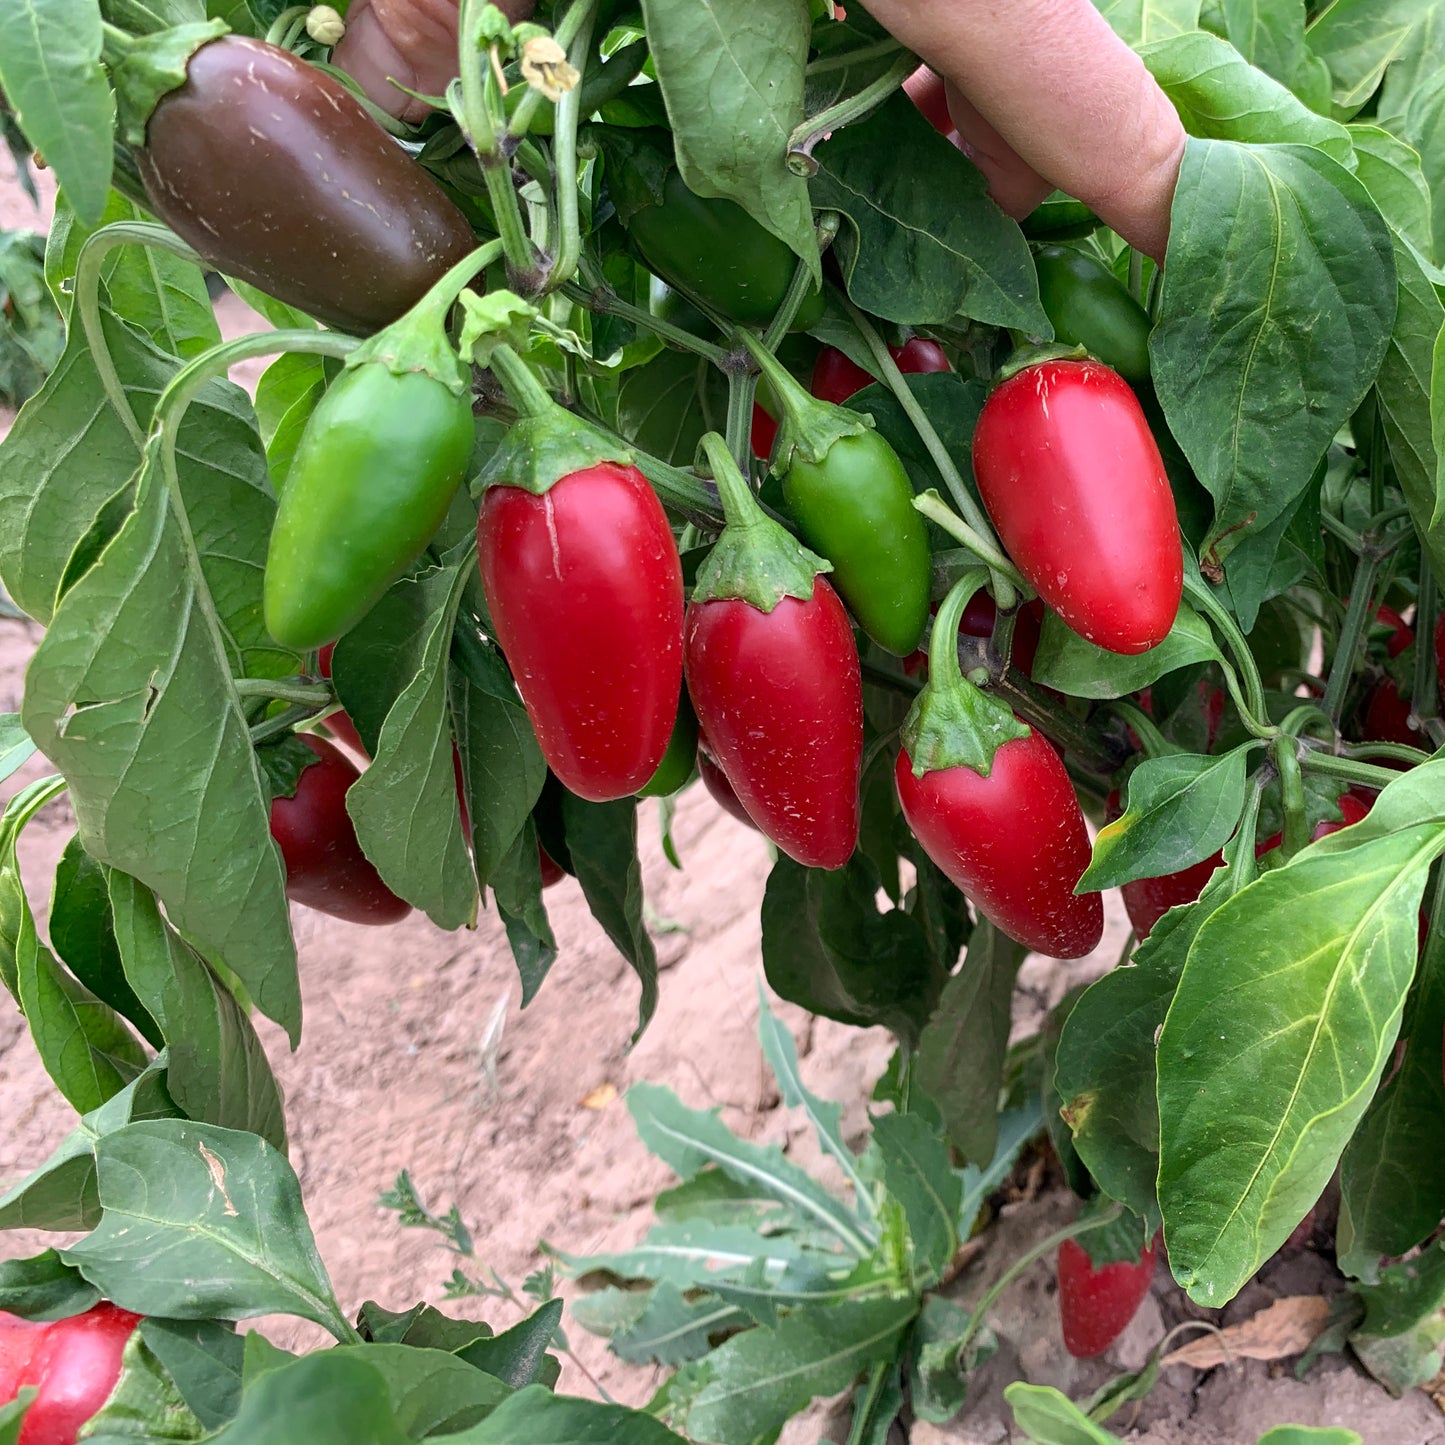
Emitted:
<point x="1090" y="308"/>
<point x="705" y="246"/>
<point x="373" y="476"/>
<point x="851" y="498"/>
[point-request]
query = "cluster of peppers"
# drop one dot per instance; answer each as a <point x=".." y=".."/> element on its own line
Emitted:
<point x="755" y="678"/>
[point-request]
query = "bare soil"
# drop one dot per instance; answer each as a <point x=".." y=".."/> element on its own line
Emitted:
<point x="401" y="1067"/>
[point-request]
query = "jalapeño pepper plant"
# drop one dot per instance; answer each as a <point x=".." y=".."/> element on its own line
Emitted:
<point x="659" y="418"/>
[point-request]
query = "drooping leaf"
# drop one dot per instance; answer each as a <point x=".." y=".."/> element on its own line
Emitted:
<point x="1400" y="1337"/>
<point x="1283" y="1021"/>
<point x="1068" y="663"/>
<point x="922" y="242"/>
<point x="202" y="1223"/>
<point x="44" y="1287"/>
<point x="916" y="1172"/>
<point x="204" y="1358"/>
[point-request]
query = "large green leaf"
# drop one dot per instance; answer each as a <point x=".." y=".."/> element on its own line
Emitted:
<point x="218" y="1071"/>
<point x="1067" y="662"/>
<point x="44" y="1287"/>
<point x="1269" y="34"/>
<point x="923" y="242"/>
<point x="535" y="1416"/>
<point x="916" y="1172"/>
<point x="1392" y="1175"/>
<point x="759" y="1379"/>
<point x="1283" y="1021"/>
<point x="130" y="694"/>
<point x="50" y="69"/>
<point x="202" y="1223"/>
<point x="731" y="73"/>
<point x="1137" y="22"/>
<point x="405" y="804"/>
<point x="1279" y="286"/>
<point x="1358" y="39"/>
<point x="963" y="1048"/>
<point x="687" y="1140"/>
<point x="1221" y="97"/>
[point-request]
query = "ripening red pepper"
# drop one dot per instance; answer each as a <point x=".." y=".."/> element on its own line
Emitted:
<point x="774" y="677"/>
<point x="325" y="867"/>
<point x="584" y="586"/>
<point x="926" y="89"/>
<point x="1096" y="1305"/>
<point x="552" y="871"/>
<point x="73" y="1364"/>
<point x="999" y="818"/>
<point x="1073" y="480"/>
<point x="764" y="433"/>
<point x="836" y="377"/>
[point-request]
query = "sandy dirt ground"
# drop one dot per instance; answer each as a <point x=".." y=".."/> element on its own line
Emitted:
<point x="528" y="1135"/>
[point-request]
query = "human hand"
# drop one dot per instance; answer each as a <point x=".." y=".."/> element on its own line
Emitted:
<point x="411" y="41"/>
<point x="1043" y="96"/>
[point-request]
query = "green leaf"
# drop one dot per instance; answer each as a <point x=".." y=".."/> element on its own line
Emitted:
<point x="666" y="406"/>
<point x="204" y="1358"/>
<point x="329" y="1398"/>
<point x="405" y="804"/>
<point x="433" y="1392"/>
<point x="1392" y="1175"/>
<point x="44" y="1287"/>
<point x="1357" y="39"/>
<point x="731" y="74"/>
<point x="827" y="947"/>
<point x="937" y="1373"/>
<point x="158" y="293"/>
<point x="1400" y="1337"/>
<point x="715" y="1197"/>
<point x="687" y="1140"/>
<point x="62" y="1194"/>
<point x="1309" y="1435"/>
<point x="692" y="1254"/>
<point x="12" y="1416"/>
<point x="518" y="1356"/>
<point x="1403" y="388"/>
<point x="826" y="1119"/>
<point x="672" y="1329"/>
<point x="1269" y="34"/>
<point x="129" y="689"/>
<point x="536" y="1416"/>
<point x="923" y="242"/>
<point x="758" y="1379"/>
<point x="915" y="1170"/>
<point x="219" y="1073"/>
<point x="1220" y="96"/>
<point x="82" y="932"/>
<point x="1066" y="662"/>
<point x="145" y="1406"/>
<point x="1181" y="809"/>
<point x="1049" y="1418"/>
<point x="502" y="765"/>
<point x="602" y="839"/>
<point x="1284" y="1019"/>
<point x="202" y="1223"/>
<point x="286" y="396"/>
<point x="517" y="886"/>
<point x="16" y="747"/>
<point x="50" y="70"/>
<point x="1137" y="22"/>
<point x="1016" y="1127"/>
<point x="962" y="1050"/>
<point x="1280" y="284"/>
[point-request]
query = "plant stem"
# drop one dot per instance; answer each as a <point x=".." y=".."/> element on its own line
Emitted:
<point x="944" y="672"/>
<point x="316" y="694"/>
<point x="1352" y="630"/>
<point x="842" y="59"/>
<point x="1426" y="681"/>
<point x="1155" y="743"/>
<point x="284" y="21"/>
<point x="1285" y="751"/>
<point x="1314" y="760"/>
<point x="86" y="301"/>
<point x="1026" y="1261"/>
<point x="1040" y="710"/>
<point x="527" y="395"/>
<point x="863" y="1408"/>
<point x="607" y="303"/>
<point x="1251" y="704"/>
<point x="576" y="25"/>
<point x="1401" y="752"/>
<point x="680" y="491"/>
<point x="851" y="108"/>
<point x="564" y="143"/>
<point x="281" y="724"/>
<point x="800" y="284"/>
<point x="980" y="544"/>
<point x="742" y="386"/>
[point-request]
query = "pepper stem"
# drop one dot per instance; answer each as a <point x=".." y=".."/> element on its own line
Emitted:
<point x="740" y="508"/>
<point x="943" y="643"/>
<point x="525" y="392"/>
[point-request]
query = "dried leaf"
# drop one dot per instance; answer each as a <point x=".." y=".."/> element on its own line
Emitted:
<point x="600" y="1097"/>
<point x="1286" y="1328"/>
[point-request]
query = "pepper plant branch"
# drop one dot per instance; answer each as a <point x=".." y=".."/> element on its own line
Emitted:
<point x="604" y="302"/>
<point x="1156" y="745"/>
<point x="303" y="694"/>
<point x="281" y="724"/>
<point x="854" y="107"/>
<point x="843" y="59"/>
<point x="1352" y="630"/>
<point x="1285" y="751"/>
<point x="1091" y="745"/>
<point x="1251" y="702"/>
<point x="1316" y="760"/>
<point x="742" y="385"/>
<point x="801" y="283"/>
<point x="87" y="300"/>
<point x="980" y="544"/>
<point x="564" y="144"/>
